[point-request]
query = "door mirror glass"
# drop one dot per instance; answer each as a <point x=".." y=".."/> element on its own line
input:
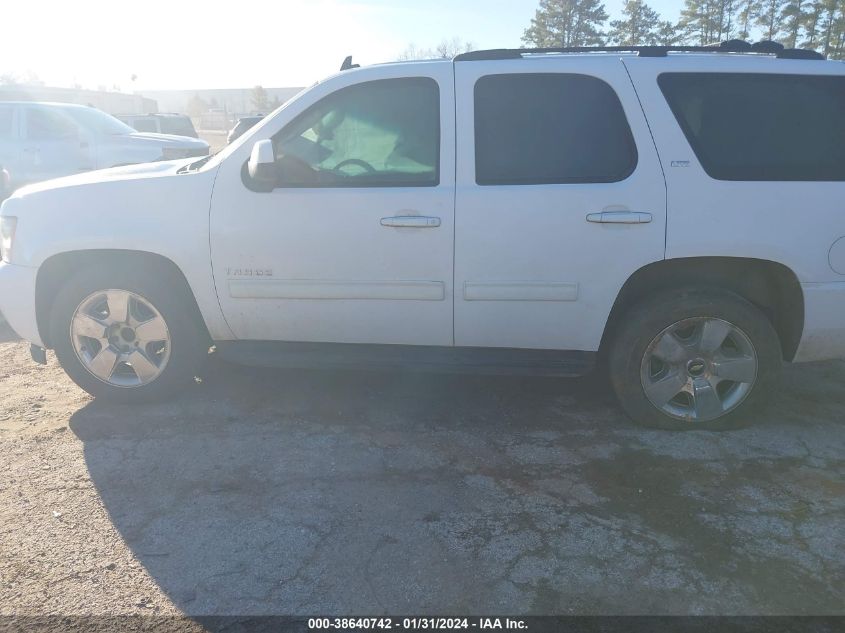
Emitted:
<point x="262" y="162"/>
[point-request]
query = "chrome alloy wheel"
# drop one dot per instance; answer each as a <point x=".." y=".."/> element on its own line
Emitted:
<point x="699" y="369"/>
<point x="120" y="338"/>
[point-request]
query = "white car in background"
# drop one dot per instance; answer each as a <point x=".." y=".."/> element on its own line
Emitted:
<point x="40" y="141"/>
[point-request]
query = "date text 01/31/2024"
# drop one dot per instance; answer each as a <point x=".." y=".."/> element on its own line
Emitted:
<point x="416" y="624"/>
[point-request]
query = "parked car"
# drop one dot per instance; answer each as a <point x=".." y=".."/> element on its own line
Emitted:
<point x="5" y="183"/>
<point x="161" y="122"/>
<point x="243" y="124"/>
<point x="500" y="212"/>
<point x="39" y="141"/>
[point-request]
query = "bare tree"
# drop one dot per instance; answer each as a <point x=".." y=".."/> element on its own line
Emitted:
<point x="446" y="49"/>
<point x="260" y="99"/>
<point x="196" y="106"/>
<point x="29" y="77"/>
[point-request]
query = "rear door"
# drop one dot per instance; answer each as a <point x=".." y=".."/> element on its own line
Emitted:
<point x="559" y="199"/>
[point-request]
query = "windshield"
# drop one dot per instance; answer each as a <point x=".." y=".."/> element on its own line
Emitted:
<point x="98" y="121"/>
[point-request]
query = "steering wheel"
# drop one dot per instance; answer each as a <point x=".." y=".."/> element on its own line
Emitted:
<point x="355" y="161"/>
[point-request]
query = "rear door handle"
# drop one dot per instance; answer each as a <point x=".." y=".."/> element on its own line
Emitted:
<point x="620" y="217"/>
<point x="411" y="221"/>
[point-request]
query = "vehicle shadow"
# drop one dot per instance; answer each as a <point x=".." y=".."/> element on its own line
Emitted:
<point x="265" y="492"/>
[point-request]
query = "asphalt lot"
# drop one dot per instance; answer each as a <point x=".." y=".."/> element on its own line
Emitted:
<point x="284" y="492"/>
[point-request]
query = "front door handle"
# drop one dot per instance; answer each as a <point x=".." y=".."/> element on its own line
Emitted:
<point x="411" y="221"/>
<point x="620" y="217"/>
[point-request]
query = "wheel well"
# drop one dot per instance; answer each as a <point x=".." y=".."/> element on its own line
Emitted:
<point x="56" y="270"/>
<point x="770" y="286"/>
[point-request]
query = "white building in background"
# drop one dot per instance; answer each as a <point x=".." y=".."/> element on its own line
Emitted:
<point x="111" y="102"/>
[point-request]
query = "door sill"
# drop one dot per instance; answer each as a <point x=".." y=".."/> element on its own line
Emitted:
<point x="418" y="358"/>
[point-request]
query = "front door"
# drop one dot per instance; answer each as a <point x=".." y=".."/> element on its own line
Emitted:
<point x="560" y="198"/>
<point x="354" y="244"/>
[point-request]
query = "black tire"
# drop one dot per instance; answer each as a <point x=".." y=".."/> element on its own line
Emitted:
<point x="188" y="341"/>
<point x="641" y="324"/>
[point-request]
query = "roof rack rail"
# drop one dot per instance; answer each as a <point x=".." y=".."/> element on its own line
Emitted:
<point x="764" y="47"/>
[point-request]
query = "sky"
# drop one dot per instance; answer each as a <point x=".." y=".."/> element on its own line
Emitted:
<point x="191" y="44"/>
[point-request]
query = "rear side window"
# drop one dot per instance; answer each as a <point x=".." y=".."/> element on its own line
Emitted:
<point x="145" y="125"/>
<point x="745" y="126"/>
<point x="177" y="125"/>
<point x="544" y="128"/>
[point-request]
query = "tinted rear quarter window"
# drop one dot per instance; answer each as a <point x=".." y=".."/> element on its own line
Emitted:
<point x="177" y="125"/>
<point x="544" y="128"/>
<point x="145" y="125"/>
<point x="761" y="127"/>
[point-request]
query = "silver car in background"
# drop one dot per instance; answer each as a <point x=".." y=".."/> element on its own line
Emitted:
<point x="39" y="141"/>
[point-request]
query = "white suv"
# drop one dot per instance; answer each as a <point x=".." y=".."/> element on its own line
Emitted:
<point x="679" y="216"/>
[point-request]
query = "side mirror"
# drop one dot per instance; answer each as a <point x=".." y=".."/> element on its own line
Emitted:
<point x="262" y="162"/>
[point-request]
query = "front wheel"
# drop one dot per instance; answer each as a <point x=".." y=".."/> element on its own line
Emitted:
<point x="694" y="358"/>
<point x="125" y="335"/>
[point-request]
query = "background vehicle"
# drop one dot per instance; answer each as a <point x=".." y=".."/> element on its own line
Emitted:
<point x="243" y="124"/>
<point x="501" y="212"/>
<point x="39" y="141"/>
<point x="161" y="123"/>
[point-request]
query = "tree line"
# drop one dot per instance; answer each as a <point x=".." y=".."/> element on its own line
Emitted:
<point x="815" y="24"/>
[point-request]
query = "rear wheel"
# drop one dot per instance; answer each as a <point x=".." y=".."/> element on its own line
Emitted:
<point x="125" y="335"/>
<point x="694" y="358"/>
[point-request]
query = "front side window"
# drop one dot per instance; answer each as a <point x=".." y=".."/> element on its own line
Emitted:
<point x="382" y="133"/>
<point x="745" y="126"/>
<point x="550" y="128"/>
